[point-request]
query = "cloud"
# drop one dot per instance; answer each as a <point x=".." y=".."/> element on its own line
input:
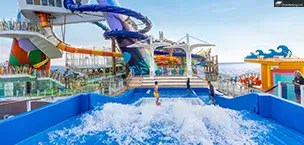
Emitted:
<point x="224" y="10"/>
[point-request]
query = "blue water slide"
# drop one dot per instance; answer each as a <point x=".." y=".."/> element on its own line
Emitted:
<point x="69" y="4"/>
<point x="124" y="36"/>
<point x="157" y="52"/>
<point x="102" y="26"/>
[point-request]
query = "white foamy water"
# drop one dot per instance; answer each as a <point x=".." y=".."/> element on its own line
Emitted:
<point x="175" y="122"/>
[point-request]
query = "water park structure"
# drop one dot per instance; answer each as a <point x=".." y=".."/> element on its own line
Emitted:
<point x="35" y="44"/>
<point x="23" y="48"/>
<point x="131" y="116"/>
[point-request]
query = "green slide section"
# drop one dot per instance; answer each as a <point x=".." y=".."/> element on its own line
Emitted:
<point x="14" y="61"/>
<point x="35" y="56"/>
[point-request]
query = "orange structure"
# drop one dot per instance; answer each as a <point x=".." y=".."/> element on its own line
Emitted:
<point x="274" y="70"/>
<point x="47" y="28"/>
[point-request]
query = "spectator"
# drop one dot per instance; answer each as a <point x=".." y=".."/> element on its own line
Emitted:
<point x="211" y="92"/>
<point x="188" y="85"/>
<point x="66" y="81"/>
<point x="298" y="81"/>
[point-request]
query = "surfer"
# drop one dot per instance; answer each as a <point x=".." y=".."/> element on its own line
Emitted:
<point x="156" y="94"/>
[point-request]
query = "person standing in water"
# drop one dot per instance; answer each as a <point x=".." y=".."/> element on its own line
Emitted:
<point x="298" y="81"/>
<point x="156" y="94"/>
<point x="188" y="85"/>
<point x="211" y="92"/>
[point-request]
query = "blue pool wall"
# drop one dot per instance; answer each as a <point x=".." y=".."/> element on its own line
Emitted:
<point x="25" y="125"/>
<point x="28" y="124"/>
<point x="281" y="110"/>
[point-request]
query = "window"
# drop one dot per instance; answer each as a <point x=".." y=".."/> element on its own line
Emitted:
<point x="37" y="2"/>
<point x="52" y="3"/>
<point x="58" y="3"/>
<point x="44" y="2"/>
<point x="29" y="2"/>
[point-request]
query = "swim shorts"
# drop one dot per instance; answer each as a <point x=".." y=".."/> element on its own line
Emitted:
<point x="156" y="95"/>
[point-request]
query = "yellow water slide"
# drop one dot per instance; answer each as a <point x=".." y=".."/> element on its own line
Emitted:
<point x="48" y="32"/>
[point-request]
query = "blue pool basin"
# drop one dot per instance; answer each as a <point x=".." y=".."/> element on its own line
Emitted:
<point x="183" y="117"/>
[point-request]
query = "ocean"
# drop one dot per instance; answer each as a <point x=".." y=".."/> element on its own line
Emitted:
<point x="232" y="69"/>
<point x="238" y="68"/>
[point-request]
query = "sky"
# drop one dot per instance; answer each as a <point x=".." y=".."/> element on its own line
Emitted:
<point x="236" y="27"/>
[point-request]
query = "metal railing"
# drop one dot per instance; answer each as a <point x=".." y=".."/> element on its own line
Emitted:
<point x="105" y="86"/>
<point x="73" y="85"/>
<point x="112" y="86"/>
<point x="11" y="107"/>
<point x="15" y="70"/>
<point x="52" y="92"/>
<point x="285" y="90"/>
<point x="234" y="88"/>
<point x="170" y="72"/>
<point x="19" y="26"/>
<point x="290" y="91"/>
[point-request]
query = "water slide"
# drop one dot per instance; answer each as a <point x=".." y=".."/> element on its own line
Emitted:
<point x="25" y="53"/>
<point x="123" y="29"/>
<point x="48" y="32"/>
<point x="164" y="59"/>
<point x="157" y="52"/>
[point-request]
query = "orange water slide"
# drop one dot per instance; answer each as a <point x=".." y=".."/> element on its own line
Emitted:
<point x="167" y="58"/>
<point x="46" y="27"/>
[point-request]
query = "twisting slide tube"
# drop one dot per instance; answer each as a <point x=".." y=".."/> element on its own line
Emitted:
<point x="123" y="29"/>
<point x="48" y="32"/>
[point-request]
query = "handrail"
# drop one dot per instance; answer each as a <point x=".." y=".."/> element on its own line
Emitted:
<point x="128" y="79"/>
<point x="170" y="71"/>
<point x="19" y="26"/>
<point x="88" y="87"/>
<point x="14" y="70"/>
<point x="234" y="88"/>
<point x="275" y="86"/>
<point x="120" y="91"/>
<point x="25" y="100"/>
